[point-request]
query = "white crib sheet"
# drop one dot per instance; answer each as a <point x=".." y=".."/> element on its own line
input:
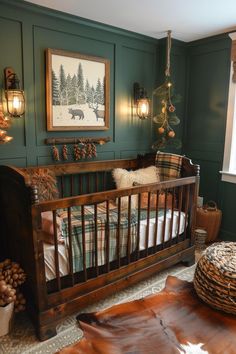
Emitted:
<point x="49" y="250"/>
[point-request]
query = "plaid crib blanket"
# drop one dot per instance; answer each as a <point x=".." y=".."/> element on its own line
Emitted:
<point x="104" y="229"/>
<point x="169" y="165"/>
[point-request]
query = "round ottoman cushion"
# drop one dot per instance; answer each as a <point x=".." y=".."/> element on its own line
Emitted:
<point x="215" y="276"/>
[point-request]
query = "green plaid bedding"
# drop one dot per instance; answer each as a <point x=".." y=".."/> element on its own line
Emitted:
<point x="104" y="229"/>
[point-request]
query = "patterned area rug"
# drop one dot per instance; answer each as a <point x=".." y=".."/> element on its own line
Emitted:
<point x="22" y="339"/>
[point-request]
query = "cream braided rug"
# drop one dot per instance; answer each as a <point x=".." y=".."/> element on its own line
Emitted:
<point x="22" y="339"/>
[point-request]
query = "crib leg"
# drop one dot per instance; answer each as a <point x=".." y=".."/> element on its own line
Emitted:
<point x="189" y="262"/>
<point x="46" y="332"/>
<point x="189" y="259"/>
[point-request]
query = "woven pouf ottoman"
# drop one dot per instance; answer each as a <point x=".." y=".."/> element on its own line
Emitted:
<point x="215" y="276"/>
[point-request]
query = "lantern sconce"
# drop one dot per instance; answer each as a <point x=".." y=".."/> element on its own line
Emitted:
<point x="141" y="101"/>
<point x="15" y="98"/>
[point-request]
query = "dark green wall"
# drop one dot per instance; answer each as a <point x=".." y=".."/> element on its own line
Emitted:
<point x="26" y="31"/>
<point x="200" y="72"/>
<point x="207" y="96"/>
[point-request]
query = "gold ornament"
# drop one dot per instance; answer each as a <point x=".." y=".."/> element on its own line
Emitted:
<point x="161" y="130"/>
<point x="171" y="134"/>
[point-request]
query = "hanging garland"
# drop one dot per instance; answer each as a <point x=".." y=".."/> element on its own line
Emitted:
<point x="81" y="150"/>
<point x="166" y="117"/>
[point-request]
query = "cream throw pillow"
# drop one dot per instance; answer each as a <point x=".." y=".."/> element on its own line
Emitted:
<point x="125" y="179"/>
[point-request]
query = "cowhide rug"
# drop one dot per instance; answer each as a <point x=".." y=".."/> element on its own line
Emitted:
<point x="170" y="322"/>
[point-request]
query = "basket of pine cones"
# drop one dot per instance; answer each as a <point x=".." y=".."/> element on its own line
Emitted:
<point x="12" y="300"/>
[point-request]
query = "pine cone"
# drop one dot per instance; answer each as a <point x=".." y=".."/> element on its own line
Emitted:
<point x="55" y="153"/>
<point x="7" y="293"/>
<point x="89" y="154"/>
<point x="83" y="151"/>
<point x="94" y="150"/>
<point x="77" y="152"/>
<point x="12" y="274"/>
<point x="19" y="302"/>
<point x="65" y="152"/>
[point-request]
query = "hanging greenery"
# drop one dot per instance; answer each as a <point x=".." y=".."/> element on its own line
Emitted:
<point x="166" y="116"/>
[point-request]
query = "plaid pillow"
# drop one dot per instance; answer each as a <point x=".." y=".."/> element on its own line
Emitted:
<point x="169" y="165"/>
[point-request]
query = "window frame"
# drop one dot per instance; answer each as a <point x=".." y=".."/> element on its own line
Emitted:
<point x="227" y="174"/>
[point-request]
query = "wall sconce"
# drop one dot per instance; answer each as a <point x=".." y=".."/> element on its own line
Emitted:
<point x="14" y="95"/>
<point x="141" y="101"/>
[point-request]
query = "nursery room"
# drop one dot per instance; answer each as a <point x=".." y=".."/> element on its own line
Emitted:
<point x="117" y="174"/>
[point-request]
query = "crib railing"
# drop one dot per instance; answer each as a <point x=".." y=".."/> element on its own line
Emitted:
<point x="166" y="234"/>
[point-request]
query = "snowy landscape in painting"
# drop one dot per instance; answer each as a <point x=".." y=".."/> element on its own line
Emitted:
<point x="78" y="92"/>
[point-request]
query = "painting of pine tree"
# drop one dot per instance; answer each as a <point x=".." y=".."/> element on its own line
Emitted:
<point x="77" y="91"/>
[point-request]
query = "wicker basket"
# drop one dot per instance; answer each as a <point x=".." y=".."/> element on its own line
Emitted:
<point x="209" y="218"/>
<point x="215" y="276"/>
<point x="200" y="239"/>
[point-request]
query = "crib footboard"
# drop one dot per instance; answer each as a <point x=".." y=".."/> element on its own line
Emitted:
<point x="108" y="241"/>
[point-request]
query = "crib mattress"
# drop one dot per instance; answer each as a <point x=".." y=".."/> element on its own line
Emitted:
<point x="49" y="250"/>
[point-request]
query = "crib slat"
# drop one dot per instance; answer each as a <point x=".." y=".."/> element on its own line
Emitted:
<point x="187" y="189"/>
<point x="70" y="246"/>
<point x="107" y="233"/>
<point x="62" y="186"/>
<point x="88" y="183"/>
<point x="147" y="227"/>
<point x="164" y="222"/>
<point x="80" y="184"/>
<point x="83" y="241"/>
<point x="71" y="185"/>
<point x="156" y="218"/>
<point x="172" y="213"/>
<point x="96" y="237"/>
<point x="129" y="231"/>
<point x="138" y="226"/>
<point x="180" y="201"/>
<point x="104" y="179"/>
<point x="118" y="234"/>
<point x="96" y="181"/>
<point x="58" y="279"/>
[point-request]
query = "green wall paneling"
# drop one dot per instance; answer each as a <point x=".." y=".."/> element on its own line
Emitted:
<point x="32" y="29"/>
<point x="18" y="162"/>
<point x="209" y="180"/>
<point x="11" y="55"/>
<point x="227" y="193"/>
<point x="135" y="64"/>
<point x="208" y="75"/>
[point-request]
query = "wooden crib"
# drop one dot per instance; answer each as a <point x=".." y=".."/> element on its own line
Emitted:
<point x="89" y="184"/>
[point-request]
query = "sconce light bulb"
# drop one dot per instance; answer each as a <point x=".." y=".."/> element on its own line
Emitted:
<point x="143" y="108"/>
<point x="169" y="84"/>
<point x="7" y="139"/>
<point x="16" y="102"/>
<point x="3" y="133"/>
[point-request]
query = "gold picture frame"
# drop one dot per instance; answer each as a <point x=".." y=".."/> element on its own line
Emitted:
<point x="77" y="91"/>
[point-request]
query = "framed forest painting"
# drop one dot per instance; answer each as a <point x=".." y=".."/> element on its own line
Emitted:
<point x="77" y="91"/>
